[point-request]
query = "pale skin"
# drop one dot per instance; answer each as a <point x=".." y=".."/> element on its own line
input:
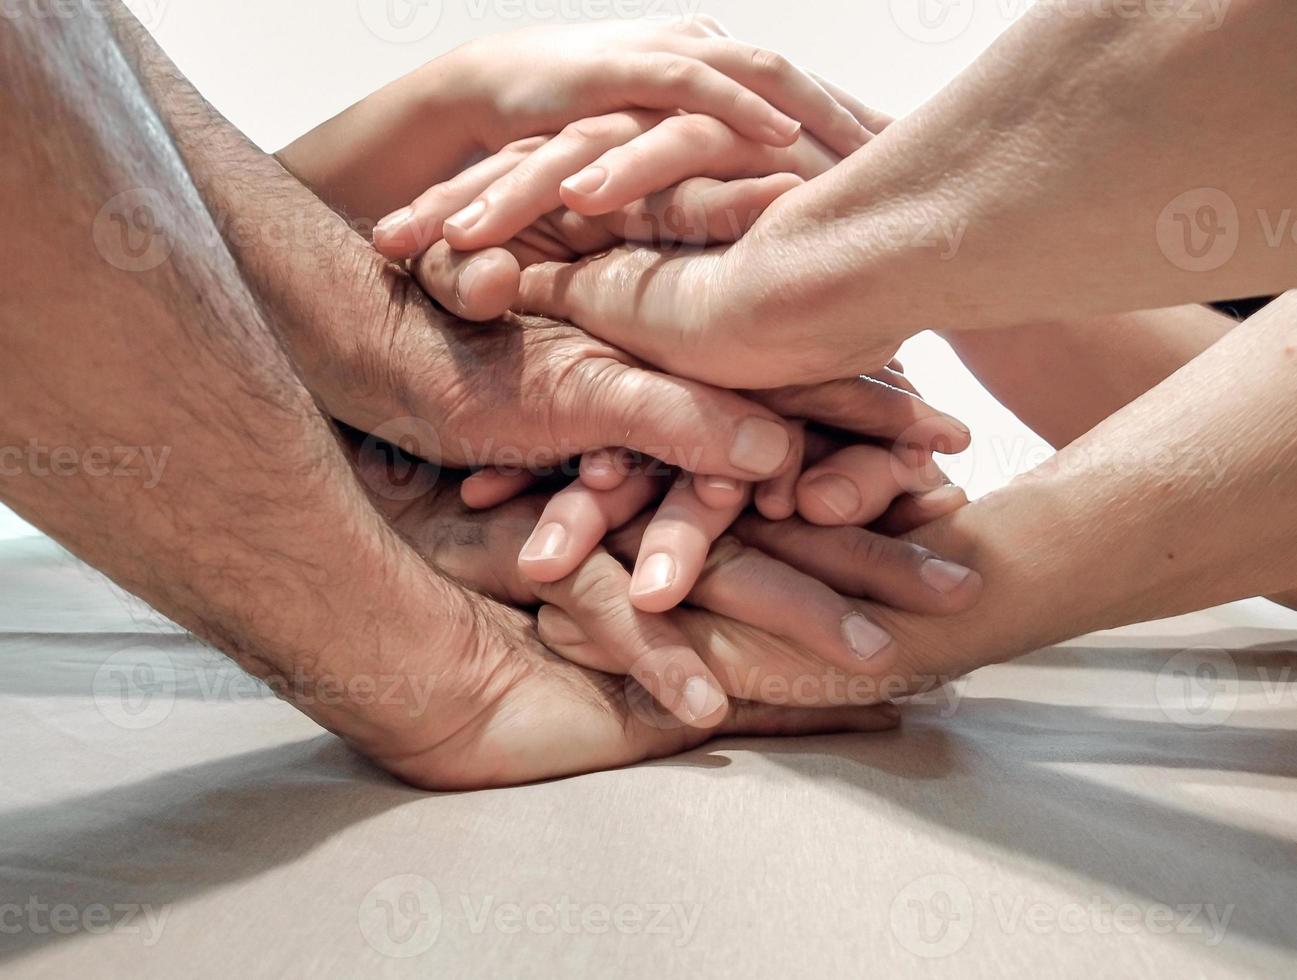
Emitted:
<point x="258" y="536"/>
<point x="1112" y="131"/>
<point x="668" y="187"/>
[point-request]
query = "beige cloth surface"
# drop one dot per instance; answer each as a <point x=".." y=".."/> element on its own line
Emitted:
<point x="1120" y="806"/>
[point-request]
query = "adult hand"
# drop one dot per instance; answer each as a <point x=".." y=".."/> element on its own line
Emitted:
<point x="756" y="625"/>
<point x="972" y="212"/>
<point x="424" y="128"/>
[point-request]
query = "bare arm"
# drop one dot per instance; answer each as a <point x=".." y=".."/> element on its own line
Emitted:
<point x="255" y="535"/>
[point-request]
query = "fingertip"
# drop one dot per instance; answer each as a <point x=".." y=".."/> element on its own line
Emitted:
<point x="404" y="234"/>
<point x="487" y="286"/>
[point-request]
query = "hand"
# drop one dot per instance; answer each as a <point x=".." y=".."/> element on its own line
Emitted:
<point x="636" y="155"/>
<point x="676" y="542"/>
<point x="429" y="125"/>
<point x="972" y="214"/>
<point x="758" y="626"/>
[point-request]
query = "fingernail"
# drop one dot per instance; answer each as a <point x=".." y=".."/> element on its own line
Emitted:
<point x="464" y="283"/>
<point x="864" y="639"/>
<point x="760" y="446"/>
<point x="785" y="129"/>
<point x="547" y="542"/>
<point x="558" y="627"/>
<point x="587" y="181"/>
<point x="466" y="219"/>
<point x="394" y="222"/>
<point x="942" y="495"/>
<point x="722" y="483"/>
<point x="701" y="699"/>
<point x="957" y="425"/>
<point x="654" y="574"/>
<point x="838" y="494"/>
<point x="944" y="576"/>
<point x="889" y="711"/>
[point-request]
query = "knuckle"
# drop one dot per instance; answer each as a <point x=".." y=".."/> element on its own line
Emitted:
<point x="678" y="73"/>
<point x="768" y="63"/>
<point x="524" y="146"/>
<point x="592" y="130"/>
<point x="868" y="550"/>
<point x="598" y="588"/>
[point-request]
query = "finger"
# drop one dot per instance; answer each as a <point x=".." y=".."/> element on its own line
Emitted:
<point x="683" y="423"/>
<point x="859" y="563"/>
<point x="788" y="88"/>
<point x="517" y="198"/>
<point x="720" y="492"/>
<point x="477" y="286"/>
<point x="405" y="234"/>
<point x="676" y="149"/>
<point x="492" y="487"/>
<point x="675" y="546"/>
<point x="642" y="300"/>
<point x="563" y="635"/>
<point x="606" y="469"/>
<point x="743" y="584"/>
<point x="576" y="520"/>
<point x="853" y="486"/>
<point x="671" y="82"/>
<point x="915" y="510"/>
<point x="649" y="648"/>
<point x="776" y="499"/>
<point x="699" y="211"/>
<point x="867" y="406"/>
<point x="872" y="119"/>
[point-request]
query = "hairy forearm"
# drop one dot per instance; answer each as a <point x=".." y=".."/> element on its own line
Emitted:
<point x="254" y="534"/>
<point x="281" y="237"/>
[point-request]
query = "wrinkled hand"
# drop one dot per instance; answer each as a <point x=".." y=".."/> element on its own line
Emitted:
<point x="756" y="626"/>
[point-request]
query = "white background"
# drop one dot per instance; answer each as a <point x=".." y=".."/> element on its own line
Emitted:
<point x="276" y="68"/>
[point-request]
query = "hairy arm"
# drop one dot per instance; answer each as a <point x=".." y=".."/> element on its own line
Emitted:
<point x="254" y="535"/>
